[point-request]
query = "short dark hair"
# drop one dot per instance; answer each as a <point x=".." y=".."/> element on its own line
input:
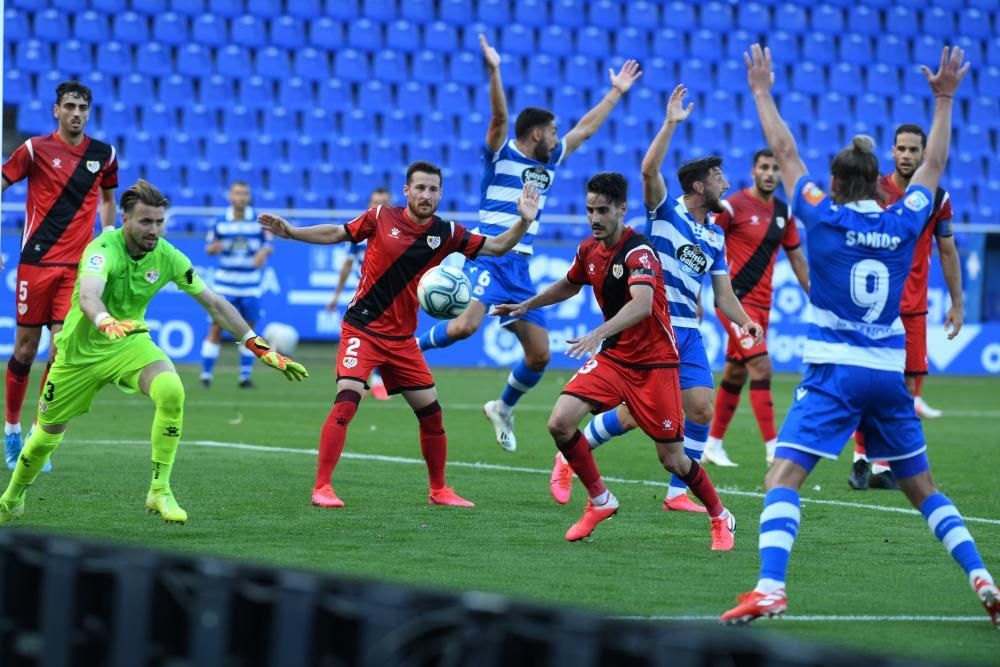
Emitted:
<point x="425" y="167"/>
<point x="73" y="88"/>
<point x="381" y="191"/>
<point x="142" y="192"/>
<point x="610" y="184"/>
<point x="763" y="152"/>
<point x="910" y="128"/>
<point x="529" y="119"/>
<point x="694" y="171"/>
<point x="856" y="171"/>
<point x="239" y="182"/>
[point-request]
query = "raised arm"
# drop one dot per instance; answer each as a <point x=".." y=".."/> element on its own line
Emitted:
<point x="943" y="83"/>
<point x="319" y="234"/>
<point x="760" y="76"/>
<point x="527" y="207"/>
<point x="496" y="133"/>
<point x="108" y="209"/>
<point x="654" y="188"/>
<point x="587" y="126"/>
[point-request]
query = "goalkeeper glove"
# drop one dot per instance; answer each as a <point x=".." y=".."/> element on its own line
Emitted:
<point x="292" y="369"/>
<point x="117" y="329"/>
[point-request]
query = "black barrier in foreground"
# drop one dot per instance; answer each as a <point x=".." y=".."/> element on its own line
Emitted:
<point x="68" y="602"/>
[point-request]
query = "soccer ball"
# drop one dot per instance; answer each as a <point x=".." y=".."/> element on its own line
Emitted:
<point x="282" y="337"/>
<point x="444" y="292"/>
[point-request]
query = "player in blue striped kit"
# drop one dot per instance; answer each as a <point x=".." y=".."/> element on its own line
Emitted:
<point x="243" y="247"/>
<point x="532" y="156"/>
<point x="859" y="259"/>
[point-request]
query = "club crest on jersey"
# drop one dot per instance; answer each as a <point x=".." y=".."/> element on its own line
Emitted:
<point x="916" y="200"/>
<point x="93" y="166"/>
<point x="692" y="259"/>
<point x="22" y="308"/>
<point x="781" y="222"/>
<point x="350" y="362"/>
<point x="537" y="176"/>
<point x="617" y="271"/>
<point x="152" y="276"/>
<point x="434" y="242"/>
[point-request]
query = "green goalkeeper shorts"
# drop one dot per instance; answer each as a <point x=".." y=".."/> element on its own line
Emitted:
<point x="70" y="389"/>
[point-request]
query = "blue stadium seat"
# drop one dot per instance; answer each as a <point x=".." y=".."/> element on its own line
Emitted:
<point x="248" y="31"/>
<point x="170" y="28"/>
<point x="266" y="199"/>
<point x="993" y="50"/>
<point x="230" y="9"/>
<point x="342" y="10"/>
<point x="514" y="39"/>
<point x="375" y="97"/>
<point x="233" y="61"/>
<point x="824" y="136"/>
<point x="833" y="108"/>
<point x="965" y="167"/>
<point x="781" y="42"/>
<point x="696" y="75"/>
<point x="892" y="50"/>
<point x="425" y="149"/>
<point x="582" y="71"/>
<point x="112" y="58"/>
<point x="335" y="95"/>
<point x="273" y="63"/>
<point x="175" y="91"/>
<point x="346" y="150"/>
<point x="530" y="95"/>
<point x="973" y="48"/>
<point x="69" y="6"/>
<point x="308" y="199"/>
<point x="828" y="19"/>
<point x="358" y="125"/>
<point x="722" y="105"/>
<point x="101" y="86"/>
<point x="988" y="82"/>
<point x="350" y="65"/>
<point x="622" y="159"/>
<point x="973" y="139"/>
<point x="791" y="17"/>
<point x="817" y="47"/>
<point x="472" y="128"/>
<point x="755" y="18"/>
<point x="149" y="7"/>
<point x="466" y="68"/>
<point x="437" y="126"/>
<point x="72" y="56"/>
<point x="985" y="111"/>
<point x="440" y="36"/>
<point x="855" y="49"/>
<point x="390" y="66"/>
<point x="216" y="92"/>
<point x="385" y="155"/>
<point x="732" y="76"/>
<point x="364" y="35"/>
<point x="807" y="77"/>
<point x="89" y="27"/>
<point x="871" y="107"/>
<point x="604" y="12"/>
<point x="846" y="78"/>
<point x="532" y="13"/>
<point x="397" y="125"/>
<point x="197" y="120"/>
<point x="117" y="117"/>
<point x="153" y="59"/>
<point x="680" y="15"/>
<point x="15" y="26"/>
<point x="883" y="79"/>
<point x="317" y="122"/>
<point x="51" y="26"/>
<point x="135" y="90"/>
<point x="304" y="150"/>
<point x="32" y="118"/>
<point x="705" y="45"/>
<point x="209" y="30"/>
<point x="927" y="50"/>
<point x="181" y="148"/>
<point x="453" y="99"/>
<point x="242" y="170"/>
<point x="456" y="12"/>
<point x="267" y="9"/>
<point x="909" y="109"/>
<point x="470" y="36"/>
<point x="366" y="179"/>
<point x="641" y="14"/>
<point x="205" y="179"/>
<point x="262" y="149"/>
<point x="164" y="175"/>
<point x="740" y="40"/>
<point x="279" y="123"/>
<point x="940" y="23"/>
<point x="429" y="67"/>
<point x="404" y="36"/>
<point x="194" y="61"/>
<point x="863" y="20"/>
<point x="382" y="10"/>
<point x="709" y="135"/>
<point x="141" y="148"/>
<point x="658" y="74"/>
<point x="555" y="40"/>
<point x="632" y="42"/>
<point x="130" y="28"/>
<point x="593" y="42"/>
<point x="16" y="89"/>
<point x="188" y="7"/>
<point x="796" y="108"/>
<point x="901" y="21"/>
<point x="287" y="32"/>
<point x="545" y="70"/>
<point x="295" y="94"/>
<point x="568" y="13"/>
<point x="239" y="122"/>
<point x="493" y="12"/>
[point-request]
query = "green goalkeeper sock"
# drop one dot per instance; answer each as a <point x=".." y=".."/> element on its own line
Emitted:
<point x="34" y="455"/>
<point x="167" y="393"/>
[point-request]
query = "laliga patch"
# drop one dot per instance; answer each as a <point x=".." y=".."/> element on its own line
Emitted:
<point x="152" y="276"/>
<point x="916" y="200"/>
<point x="93" y="166"/>
<point x="350" y="362"/>
<point x="812" y="193"/>
<point x="95" y="262"/>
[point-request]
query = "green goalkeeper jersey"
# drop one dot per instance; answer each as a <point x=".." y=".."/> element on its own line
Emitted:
<point x="130" y="285"/>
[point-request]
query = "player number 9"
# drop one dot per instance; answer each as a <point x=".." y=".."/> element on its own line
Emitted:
<point x="870" y="287"/>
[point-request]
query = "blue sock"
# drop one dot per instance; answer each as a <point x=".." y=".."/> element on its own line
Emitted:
<point x="779" y="525"/>
<point x="209" y="355"/>
<point x="695" y="438"/>
<point x="436" y="336"/>
<point x="246" y="363"/>
<point x="946" y="523"/>
<point x="602" y="428"/>
<point x="519" y="382"/>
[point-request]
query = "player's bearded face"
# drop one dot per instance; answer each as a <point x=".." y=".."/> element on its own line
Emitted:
<point x="713" y="188"/>
<point x="423" y="194"/>
<point x="908" y="153"/>
<point x="766" y="175"/>
<point x="547" y="143"/>
<point x="143" y="226"/>
<point x="72" y="112"/>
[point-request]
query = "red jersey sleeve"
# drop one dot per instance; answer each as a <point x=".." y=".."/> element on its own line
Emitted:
<point x="109" y="179"/>
<point x="577" y="274"/>
<point x="790" y="239"/>
<point x="465" y="242"/>
<point x="19" y="165"/>
<point x="942" y="220"/>
<point x="363" y="226"/>
<point x="726" y="217"/>
<point x="641" y="265"/>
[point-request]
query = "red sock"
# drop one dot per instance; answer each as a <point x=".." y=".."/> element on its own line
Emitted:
<point x="581" y="460"/>
<point x="727" y="399"/>
<point x="918" y="384"/>
<point x="703" y="489"/>
<point x="763" y="408"/>
<point x="334" y="434"/>
<point x="433" y="443"/>
<point x="17" y="386"/>
<point x="859" y="444"/>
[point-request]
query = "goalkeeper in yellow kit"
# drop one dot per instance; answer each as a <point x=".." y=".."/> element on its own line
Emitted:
<point x="104" y="341"/>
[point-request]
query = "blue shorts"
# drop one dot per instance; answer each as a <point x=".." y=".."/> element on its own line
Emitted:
<point x="833" y="401"/>
<point x="248" y="306"/>
<point x="506" y="279"/>
<point x="695" y="371"/>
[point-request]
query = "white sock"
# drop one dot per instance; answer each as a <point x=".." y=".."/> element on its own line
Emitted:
<point x="859" y="457"/>
<point x="562" y="458"/>
<point x="767" y="586"/>
<point x="675" y="492"/>
<point x="714" y="443"/>
<point x="505" y="409"/>
<point x="9" y="428"/>
<point x="979" y="573"/>
<point x="210" y="350"/>
<point x="878" y="469"/>
<point x="605" y="499"/>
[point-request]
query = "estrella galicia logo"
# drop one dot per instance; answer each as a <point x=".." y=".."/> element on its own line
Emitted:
<point x="692" y="259"/>
<point x="537" y="176"/>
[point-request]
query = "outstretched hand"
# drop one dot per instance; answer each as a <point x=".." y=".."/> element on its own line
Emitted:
<point x="509" y="309"/>
<point x="760" y="74"/>
<point x="950" y="72"/>
<point x="626" y="76"/>
<point x="490" y="54"/>
<point x="292" y="369"/>
<point x="527" y="203"/>
<point x="275" y="224"/>
<point x="676" y="111"/>
<point x="585" y="346"/>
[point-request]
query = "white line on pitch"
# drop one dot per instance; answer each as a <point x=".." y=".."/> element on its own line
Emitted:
<point x="827" y="619"/>
<point x="492" y="466"/>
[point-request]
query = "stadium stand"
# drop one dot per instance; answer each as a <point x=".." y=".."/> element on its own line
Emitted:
<point x="409" y="73"/>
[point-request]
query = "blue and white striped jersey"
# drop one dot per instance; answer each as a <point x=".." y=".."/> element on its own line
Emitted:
<point x="688" y="250"/>
<point x="504" y="174"/>
<point x="241" y="239"/>
<point x="859" y="259"/>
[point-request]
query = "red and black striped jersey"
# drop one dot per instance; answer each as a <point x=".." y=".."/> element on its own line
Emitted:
<point x="754" y="230"/>
<point x="63" y="193"/>
<point x="399" y="252"/>
<point x="612" y="272"/>
<point x="914" y="300"/>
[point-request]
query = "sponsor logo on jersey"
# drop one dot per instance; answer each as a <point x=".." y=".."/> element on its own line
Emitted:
<point x="916" y="200"/>
<point x="57" y="163"/>
<point x="152" y="276"/>
<point x="692" y="258"/>
<point x="617" y="271"/>
<point x="874" y="240"/>
<point x="434" y="242"/>
<point x="537" y="176"/>
<point x="667" y="424"/>
<point x="394" y="233"/>
<point x="93" y="166"/>
<point x="812" y="193"/>
<point x="645" y="260"/>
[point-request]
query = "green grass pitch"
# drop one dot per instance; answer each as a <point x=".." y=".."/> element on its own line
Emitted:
<point x="855" y="560"/>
